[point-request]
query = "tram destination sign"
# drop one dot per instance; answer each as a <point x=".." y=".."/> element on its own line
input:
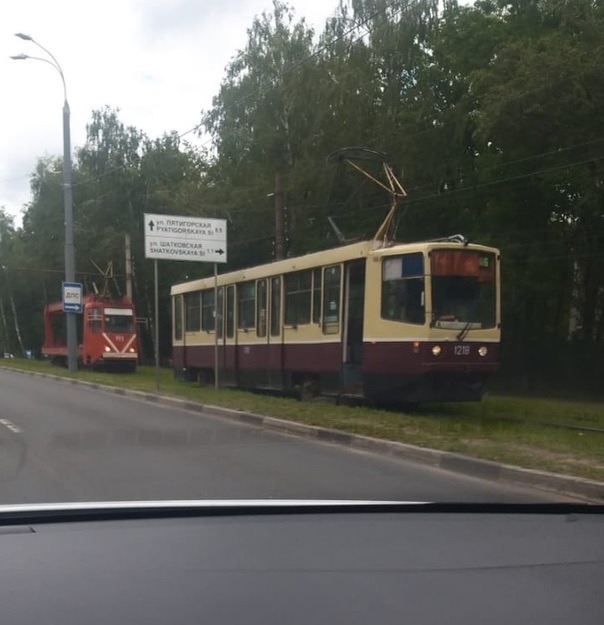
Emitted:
<point x="201" y="239"/>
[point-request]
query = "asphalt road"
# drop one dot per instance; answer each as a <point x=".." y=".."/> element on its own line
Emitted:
<point x="60" y="442"/>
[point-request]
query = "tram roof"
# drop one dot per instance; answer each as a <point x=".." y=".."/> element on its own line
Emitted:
<point x="317" y="259"/>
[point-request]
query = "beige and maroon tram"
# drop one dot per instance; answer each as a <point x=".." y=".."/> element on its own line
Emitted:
<point x="387" y="322"/>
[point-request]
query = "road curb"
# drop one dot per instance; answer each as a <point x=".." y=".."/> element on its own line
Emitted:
<point x="449" y="461"/>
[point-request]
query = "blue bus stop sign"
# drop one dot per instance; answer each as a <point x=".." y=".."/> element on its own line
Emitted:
<point x="72" y="297"/>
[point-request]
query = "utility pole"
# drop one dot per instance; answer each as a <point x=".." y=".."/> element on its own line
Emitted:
<point x="72" y="337"/>
<point x="279" y="218"/>
<point x="128" y="266"/>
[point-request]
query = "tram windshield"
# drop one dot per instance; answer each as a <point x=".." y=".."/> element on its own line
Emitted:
<point x="119" y="320"/>
<point x="463" y="289"/>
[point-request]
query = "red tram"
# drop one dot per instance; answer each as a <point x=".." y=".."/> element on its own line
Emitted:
<point x="106" y="334"/>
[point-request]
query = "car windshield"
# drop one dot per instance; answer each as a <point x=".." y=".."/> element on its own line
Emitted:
<point x="318" y="249"/>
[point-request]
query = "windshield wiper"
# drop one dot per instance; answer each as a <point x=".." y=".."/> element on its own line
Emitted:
<point x="464" y="331"/>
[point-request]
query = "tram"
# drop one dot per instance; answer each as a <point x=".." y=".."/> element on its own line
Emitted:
<point x="106" y="330"/>
<point x="379" y="320"/>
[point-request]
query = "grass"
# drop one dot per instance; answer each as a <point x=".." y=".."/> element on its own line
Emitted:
<point x="502" y="428"/>
<point x="529" y="410"/>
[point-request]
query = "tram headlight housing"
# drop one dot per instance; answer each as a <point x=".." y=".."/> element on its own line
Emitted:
<point x="436" y="350"/>
<point x="483" y="350"/>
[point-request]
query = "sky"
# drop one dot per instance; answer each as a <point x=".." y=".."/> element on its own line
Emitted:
<point x="159" y="61"/>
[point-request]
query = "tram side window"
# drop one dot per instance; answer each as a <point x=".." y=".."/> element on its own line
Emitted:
<point x="193" y="311"/>
<point x="178" y="318"/>
<point x="261" y="304"/>
<point x="403" y="288"/>
<point x="220" y="311"/>
<point x="331" y="300"/>
<point x="95" y="319"/>
<point x="316" y="295"/>
<point x="246" y="304"/>
<point x="298" y="289"/>
<point x="275" y="306"/>
<point x="207" y="310"/>
<point x="230" y="312"/>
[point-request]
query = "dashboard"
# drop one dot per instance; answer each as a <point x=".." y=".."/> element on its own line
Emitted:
<point x="302" y="562"/>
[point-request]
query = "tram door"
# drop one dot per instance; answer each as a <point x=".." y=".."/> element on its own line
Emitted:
<point x="275" y="335"/>
<point x="220" y="327"/>
<point x="261" y="360"/>
<point x="352" y="339"/>
<point x="229" y="361"/>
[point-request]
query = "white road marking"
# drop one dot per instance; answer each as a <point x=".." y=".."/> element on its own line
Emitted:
<point x="9" y="425"/>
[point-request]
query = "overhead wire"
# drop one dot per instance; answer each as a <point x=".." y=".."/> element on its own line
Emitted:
<point x="280" y="77"/>
<point x="501" y="165"/>
<point x="473" y="187"/>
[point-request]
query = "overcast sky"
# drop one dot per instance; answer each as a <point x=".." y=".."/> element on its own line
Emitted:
<point x="159" y="61"/>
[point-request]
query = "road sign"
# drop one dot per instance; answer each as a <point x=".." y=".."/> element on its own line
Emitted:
<point x="72" y="297"/>
<point x="185" y="238"/>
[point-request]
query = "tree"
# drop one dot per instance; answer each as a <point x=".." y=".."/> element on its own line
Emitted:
<point x="491" y="113"/>
<point x="258" y="120"/>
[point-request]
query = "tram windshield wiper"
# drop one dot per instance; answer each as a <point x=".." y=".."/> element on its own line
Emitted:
<point x="464" y="331"/>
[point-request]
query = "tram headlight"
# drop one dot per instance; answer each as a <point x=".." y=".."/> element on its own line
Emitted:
<point x="132" y="350"/>
<point x="436" y="350"/>
<point x="107" y="349"/>
<point x="483" y="351"/>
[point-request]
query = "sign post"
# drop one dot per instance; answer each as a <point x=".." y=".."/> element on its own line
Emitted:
<point x="156" y="283"/>
<point x="215" y="325"/>
<point x="201" y="239"/>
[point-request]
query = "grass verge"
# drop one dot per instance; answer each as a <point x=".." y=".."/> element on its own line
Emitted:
<point x="500" y="428"/>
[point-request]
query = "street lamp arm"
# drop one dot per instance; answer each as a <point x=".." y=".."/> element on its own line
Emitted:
<point x="54" y="61"/>
<point x="24" y="57"/>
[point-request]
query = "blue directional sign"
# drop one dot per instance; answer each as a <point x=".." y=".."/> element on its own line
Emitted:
<point x="72" y="297"/>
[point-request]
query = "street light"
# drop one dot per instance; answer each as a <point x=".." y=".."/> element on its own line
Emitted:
<point x="72" y="355"/>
